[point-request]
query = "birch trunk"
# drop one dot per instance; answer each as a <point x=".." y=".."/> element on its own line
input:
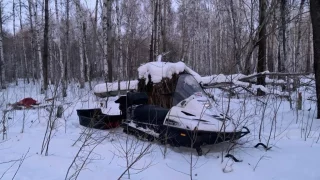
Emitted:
<point x="120" y="66"/>
<point x="24" y="56"/>
<point x="68" y="69"/>
<point x="14" y="58"/>
<point x="88" y="72"/>
<point x="107" y="35"/>
<point x="37" y="39"/>
<point x="30" y="7"/>
<point x="261" y="65"/>
<point x="164" y="29"/>
<point x="105" y="39"/>
<point x="297" y="50"/>
<point x="61" y="63"/>
<point x="45" y="54"/>
<point x="308" y="64"/>
<point x="3" y="74"/>
<point x="153" y="33"/>
<point x="81" y="40"/>
<point x="96" y="44"/>
<point x="51" y="67"/>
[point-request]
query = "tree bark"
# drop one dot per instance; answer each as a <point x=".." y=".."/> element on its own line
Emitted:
<point x="2" y="67"/>
<point x="282" y="33"/>
<point x="262" y="46"/>
<point x="67" y="62"/>
<point x="45" y="54"/>
<point x="38" y="44"/>
<point x="107" y="37"/>
<point x="61" y="62"/>
<point x="298" y="51"/>
<point x="119" y="49"/>
<point x="33" y="52"/>
<point x="14" y="58"/>
<point x="24" y="56"/>
<point x="88" y="66"/>
<point x="308" y="58"/>
<point x="109" y="40"/>
<point x="315" y="20"/>
<point x="80" y="25"/>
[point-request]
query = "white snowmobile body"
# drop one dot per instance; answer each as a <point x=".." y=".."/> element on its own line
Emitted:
<point x="192" y="113"/>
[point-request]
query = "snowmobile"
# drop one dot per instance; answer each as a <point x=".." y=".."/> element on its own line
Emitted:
<point x="192" y="121"/>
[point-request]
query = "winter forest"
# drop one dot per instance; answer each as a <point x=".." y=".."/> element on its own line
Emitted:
<point x="71" y="41"/>
<point x="160" y="89"/>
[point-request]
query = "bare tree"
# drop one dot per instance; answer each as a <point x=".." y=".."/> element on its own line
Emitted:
<point x="45" y="54"/>
<point x="315" y="19"/>
<point x="2" y="62"/>
<point x="262" y="45"/>
<point x="58" y="34"/>
<point x="120" y="57"/>
<point x="80" y="24"/>
<point x="107" y="37"/>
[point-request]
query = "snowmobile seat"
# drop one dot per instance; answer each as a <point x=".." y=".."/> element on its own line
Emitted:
<point x="133" y="98"/>
<point x="150" y="114"/>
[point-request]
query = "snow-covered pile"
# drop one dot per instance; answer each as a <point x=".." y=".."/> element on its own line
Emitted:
<point x="124" y="85"/>
<point x="159" y="70"/>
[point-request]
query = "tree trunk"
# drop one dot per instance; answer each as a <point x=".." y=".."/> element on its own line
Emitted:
<point x="61" y="63"/>
<point x="24" y="56"/>
<point x="45" y="54"/>
<point x="282" y="33"/>
<point x="38" y="48"/>
<point x="109" y="40"/>
<point x="15" y="60"/>
<point x="107" y="37"/>
<point x="308" y="58"/>
<point x="88" y="67"/>
<point x="164" y="29"/>
<point x="96" y="43"/>
<point x="315" y="19"/>
<point x="33" y="52"/>
<point x="80" y="25"/>
<point x="298" y="52"/>
<point x="67" y="62"/>
<point x="2" y="67"/>
<point x="119" y="50"/>
<point x="262" y="46"/>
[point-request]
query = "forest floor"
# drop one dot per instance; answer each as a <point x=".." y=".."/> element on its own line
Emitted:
<point x="293" y="136"/>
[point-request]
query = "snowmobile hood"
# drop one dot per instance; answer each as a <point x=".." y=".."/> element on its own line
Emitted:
<point x="198" y="112"/>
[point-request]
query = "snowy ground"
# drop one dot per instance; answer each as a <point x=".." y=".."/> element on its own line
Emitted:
<point x="294" y="140"/>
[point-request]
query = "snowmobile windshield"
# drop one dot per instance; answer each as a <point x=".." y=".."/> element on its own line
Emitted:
<point x="187" y="86"/>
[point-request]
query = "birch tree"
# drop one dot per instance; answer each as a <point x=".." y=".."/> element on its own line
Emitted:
<point x="45" y="54"/>
<point x="120" y="57"/>
<point x="14" y="58"/>
<point x="24" y="56"/>
<point x="32" y="37"/>
<point x="2" y="62"/>
<point x="58" y="34"/>
<point x="315" y="20"/>
<point x="107" y="37"/>
<point x="80" y="24"/>
<point x="262" y="45"/>
<point x="33" y="8"/>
